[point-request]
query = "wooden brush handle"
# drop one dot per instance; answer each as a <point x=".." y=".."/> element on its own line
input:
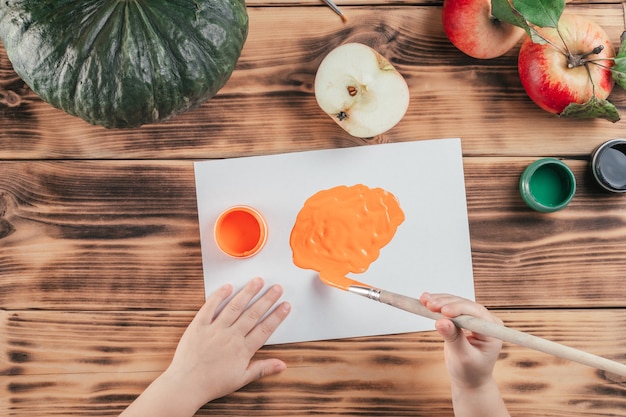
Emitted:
<point x="506" y="334"/>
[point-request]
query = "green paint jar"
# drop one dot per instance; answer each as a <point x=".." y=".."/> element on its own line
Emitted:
<point x="547" y="185"/>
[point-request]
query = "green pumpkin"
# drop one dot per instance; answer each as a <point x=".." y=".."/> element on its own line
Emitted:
<point x="124" y="63"/>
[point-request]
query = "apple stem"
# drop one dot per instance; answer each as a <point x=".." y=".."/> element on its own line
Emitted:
<point x="593" y="86"/>
<point x="595" y="51"/>
<point x="581" y="59"/>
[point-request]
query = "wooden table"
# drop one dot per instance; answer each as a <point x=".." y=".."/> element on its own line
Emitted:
<point x="100" y="264"/>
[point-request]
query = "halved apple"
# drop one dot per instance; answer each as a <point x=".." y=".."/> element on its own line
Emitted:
<point x="360" y="90"/>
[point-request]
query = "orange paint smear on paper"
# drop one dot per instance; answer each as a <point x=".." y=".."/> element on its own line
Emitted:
<point x="342" y="230"/>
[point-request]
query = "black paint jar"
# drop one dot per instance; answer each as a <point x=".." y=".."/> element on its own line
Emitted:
<point x="608" y="164"/>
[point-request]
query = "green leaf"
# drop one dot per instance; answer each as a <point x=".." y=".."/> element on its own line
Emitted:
<point x="619" y="71"/>
<point x="619" y="68"/>
<point x="595" y="108"/>
<point x="542" y="13"/>
<point x="505" y="12"/>
<point x="535" y="36"/>
<point x="529" y="14"/>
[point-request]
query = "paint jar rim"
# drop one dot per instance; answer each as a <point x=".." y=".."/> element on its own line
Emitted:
<point x="240" y="231"/>
<point x="598" y="165"/>
<point x="563" y="187"/>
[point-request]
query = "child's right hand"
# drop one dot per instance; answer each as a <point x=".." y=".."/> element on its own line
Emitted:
<point x="470" y="357"/>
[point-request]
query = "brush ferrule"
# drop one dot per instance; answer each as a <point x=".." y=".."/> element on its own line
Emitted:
<point x="368" y="292"/>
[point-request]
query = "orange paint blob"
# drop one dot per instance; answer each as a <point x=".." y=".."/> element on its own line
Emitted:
<point x="342" y="230"/>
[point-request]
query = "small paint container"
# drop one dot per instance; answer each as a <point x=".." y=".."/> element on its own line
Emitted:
<point x="547" y="185"/>
<point x="240" y="231"/>
<point x="608" y="165"/>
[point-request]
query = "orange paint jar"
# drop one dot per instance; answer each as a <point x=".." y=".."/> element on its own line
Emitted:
<point x="240" y="231"/>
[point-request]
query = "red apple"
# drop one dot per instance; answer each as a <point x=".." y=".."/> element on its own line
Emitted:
<point x="471" y="27"/>
<point x="572" y="66"/>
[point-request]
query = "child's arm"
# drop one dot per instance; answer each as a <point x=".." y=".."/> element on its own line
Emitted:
<point x="470" y="358"/>
<point x="214" y="355"/>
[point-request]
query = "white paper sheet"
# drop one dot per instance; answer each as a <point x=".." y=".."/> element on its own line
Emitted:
<point x="430" y="251"/>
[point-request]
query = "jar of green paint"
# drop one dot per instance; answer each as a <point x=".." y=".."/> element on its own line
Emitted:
<point x="547" y="185"/>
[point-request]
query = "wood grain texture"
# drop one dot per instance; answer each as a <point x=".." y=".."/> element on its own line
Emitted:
<point x="104" y="235"/>
<point x="451" y="95"/>
<point x="100" y="263"/>
<point x="91" y="235"/>
<point x="535" y="259"/>
<point x="94" y="364"/>
<point x="312" y="3"/>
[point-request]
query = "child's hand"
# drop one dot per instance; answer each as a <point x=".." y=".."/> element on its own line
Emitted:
<point x="470" y="357"/>
<point x="214" y="355"/>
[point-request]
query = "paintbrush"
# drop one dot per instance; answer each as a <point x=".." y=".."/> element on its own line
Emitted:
<point x="336" y="9"/>
<point x="477" y="325"/>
